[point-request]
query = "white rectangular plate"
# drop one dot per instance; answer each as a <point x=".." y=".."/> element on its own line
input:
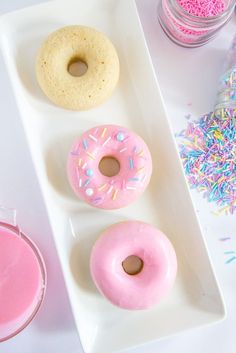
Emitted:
<point x="50" y="130"/>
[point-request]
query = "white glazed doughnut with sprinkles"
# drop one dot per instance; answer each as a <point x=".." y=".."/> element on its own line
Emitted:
<point x="109" y="146"/>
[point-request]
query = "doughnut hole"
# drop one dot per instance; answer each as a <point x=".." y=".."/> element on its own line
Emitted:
<point x="77" y="67"/>
<point x="132" y="265"/>
<point x="109" y="166"/>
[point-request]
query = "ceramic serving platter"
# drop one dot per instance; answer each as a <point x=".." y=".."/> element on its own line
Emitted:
<point x="137" y="104"/>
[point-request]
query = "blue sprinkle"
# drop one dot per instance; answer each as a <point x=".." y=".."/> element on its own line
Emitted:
<point x="120" y="136"/>
<point x="133" y="179"/>
<point x="231" y="259"/>
<point x="86" y="182"/>
<point x="89" y="172"/>
<point x="131" y="163"/>
<point x="85" y="144"/>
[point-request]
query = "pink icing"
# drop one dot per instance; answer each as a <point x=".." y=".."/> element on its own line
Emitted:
<point x="102" y="191"/>
<point x="146" y="288"/>
<point x="20" y="282"/>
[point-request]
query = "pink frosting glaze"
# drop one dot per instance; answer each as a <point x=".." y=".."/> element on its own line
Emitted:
<point x="146" y="288"/>
<point x="21" y="282"/>
<point x="109" y="192"/>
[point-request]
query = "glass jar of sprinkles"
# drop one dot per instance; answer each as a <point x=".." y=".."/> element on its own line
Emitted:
<point x="192" y="23"/>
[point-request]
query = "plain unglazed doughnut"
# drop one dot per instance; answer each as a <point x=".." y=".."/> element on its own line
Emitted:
<point x="120" y="144"/>
<point x="67" y="45"/>
<point x="157" y="273"/>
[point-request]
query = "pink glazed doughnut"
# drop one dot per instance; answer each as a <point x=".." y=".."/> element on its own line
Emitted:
<point x="156" y="276"/>
<point x="129" y="151"/>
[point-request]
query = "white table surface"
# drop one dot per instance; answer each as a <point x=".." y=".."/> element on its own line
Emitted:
<point x="54" y="330"/>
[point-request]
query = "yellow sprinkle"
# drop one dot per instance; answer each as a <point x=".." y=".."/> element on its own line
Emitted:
<point x="104" y="132"/>
<point x="102" y="187"/>
<point x="80" y="161"/>
<point x="140" y="154"/>
<point x="90" y="155"/>
<point x="115" y="194"/>
<point x="140" y="170"/>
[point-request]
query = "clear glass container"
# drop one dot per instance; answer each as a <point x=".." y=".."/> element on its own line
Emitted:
<point x="190" y="30"/>
<point x="22" y="277"/>
<point x="226" y="97"/>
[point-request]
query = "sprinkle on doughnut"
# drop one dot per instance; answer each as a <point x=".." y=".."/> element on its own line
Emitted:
<point x="93" y="138"/>
<point x="91" y="155"/>
<point x="85" y="144"/>
<point x="89" y="172"/>
<point x="115" y="194"/>
<point x="104" y="132"/>
<point x="131" y="163"/>
<point x="132" y="155"/>
<point x="123" y="149"/>
<point x="102" y="187"/>
<point x="107" y="140"/>
<point x="89" y="192"/>
<point x="120" y="136"/>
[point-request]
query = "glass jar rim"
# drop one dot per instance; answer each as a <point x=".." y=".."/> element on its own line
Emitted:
<point x="227" y="11"/>
<point x="16" y="230"/>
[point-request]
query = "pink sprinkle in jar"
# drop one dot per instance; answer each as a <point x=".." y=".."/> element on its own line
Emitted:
<point x="192" y="23"/>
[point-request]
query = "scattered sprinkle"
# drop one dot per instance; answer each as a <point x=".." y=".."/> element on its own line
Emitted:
<point x="230" y="260"/>
<point x="225" y="239"/>
<point x="80" y="161"/>
<point x="84" y="165"/>
<point x="208" y="150"/>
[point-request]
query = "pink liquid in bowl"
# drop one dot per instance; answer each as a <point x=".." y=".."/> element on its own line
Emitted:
<point x="22" y="281"/>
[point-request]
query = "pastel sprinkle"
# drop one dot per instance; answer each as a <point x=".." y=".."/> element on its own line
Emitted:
<point x="229" y="252"/>
<point x="102" y="187"/>
<point x="89" y="192"/>
<point x="107" y="140"/>
<point x="91" y="155"/>
<point x="141" y="153"/>
<point x="84" y="165"/>
<point x="110" y="189"/>
<point x="80" y="183"/>
<point x="225" y="239"/>
<point x="93" y="138"/>
<point x="140" y="170"/>
<point x="95" y="131"/>
<point x="115" y="194"/>
<point x="89" y="172"/>
<point x="85" y="144"/>
<point x="104" y="132"/>
<point x="134" y="179"/>
<point x="131" y="188"/>
<point x="123" y="149"/>
<point x="80" y="161"/>
<point x="74" y="153"/>
<point x="87" y="181"/>
<point x="97" y="200"/>
<point x="131" y="163"/>
<point x="231" y="260"/>
<point x="120" y="136"/>
<point x="208" y="150"/>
